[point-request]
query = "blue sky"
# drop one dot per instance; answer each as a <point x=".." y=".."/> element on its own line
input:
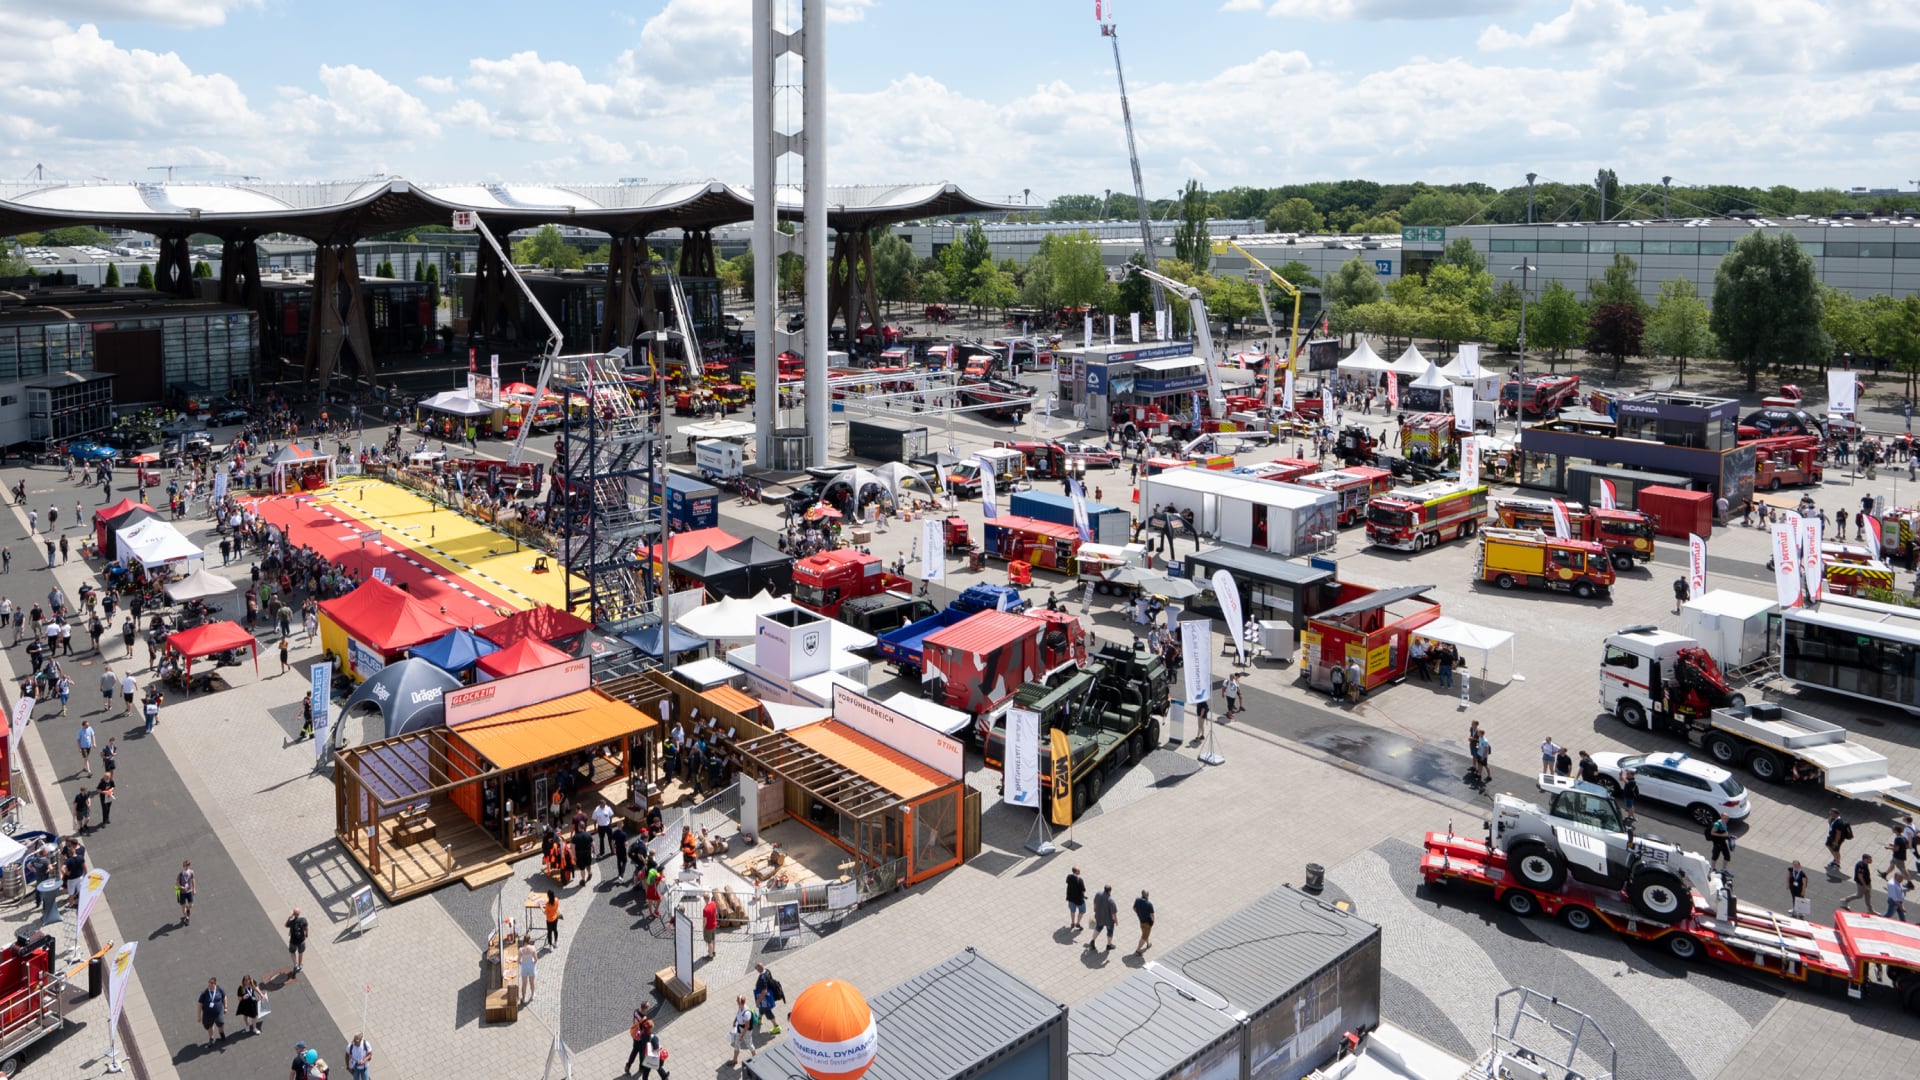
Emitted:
<point x="997" y="96"/>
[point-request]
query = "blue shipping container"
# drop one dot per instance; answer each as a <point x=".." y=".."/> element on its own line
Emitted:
<point x="692" y="503"/>
<point x="1110" y="524"/>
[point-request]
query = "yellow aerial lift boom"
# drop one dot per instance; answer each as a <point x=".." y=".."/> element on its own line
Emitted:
<point x="1221" y="247"/>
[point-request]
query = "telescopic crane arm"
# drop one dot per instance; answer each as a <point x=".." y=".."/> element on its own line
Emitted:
<point x="1221" y="247"/>
<point x="1202" y="332"/>
<point x="464" y="220"/>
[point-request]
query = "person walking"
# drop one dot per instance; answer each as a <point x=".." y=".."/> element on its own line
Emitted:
<point x="529" y="958"/>
<point x="767" y="996"/>
<point x="1076" y="898"/>
<point x="1722" y="840"/>
<point x="1143" y="910"/>
<point x="253" y="1004"/>
<point x="297" y="930"/>
<point x="1897" y="895"/>
<point x="1897" y="851"/>
<point x="127" y="633"/>
<point x="640" y="1030"/>
<point x="359" y="1055"/>
<point x="603" y="826"/>
<point x="1862" y="883"/>
<point x="183" y="883"/>
<point x="1797" y="890"/>
<point x="105" y="791"/>
<point x="82" y="803"/>
<point x="152" y="709"/>
<point x="127" y="688"/>
<point x="212" y="1007"/>
<point x="1838" y="833"/>
<point x="619" y="836"/>
<point x="741" y="1036"/>
<point x="1105" y="914"/>
<point x="1230" y="691"/>
<point x="85" y="741"/>
<point x="64" y="688"/>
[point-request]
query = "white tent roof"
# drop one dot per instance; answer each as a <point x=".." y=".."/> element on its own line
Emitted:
<point x="896" y="475"/>
<point x="1488" y="653"/>
<point x="456" y="402"/>
<point x="1411" y="363"/>
<point x="784" y="717"/>
<point x="1465" y="363"/>
<point x="156" y="543"/>
<point x="732" y="618"/>
<point x="707" y="671"/>
<point x="931" y="713"/>
<point x="1364" y="359"/>
<point x="1432" y="379"/>
<point x="200" y="583"/>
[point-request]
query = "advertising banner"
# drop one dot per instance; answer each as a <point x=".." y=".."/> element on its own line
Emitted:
<point x="1562" y="527"/>
<point x="1470" y="360"/>
<point x="322" y="688"/>
<point x="517" y="691"/>
<point x="1470" y="461"/>
<point x="1696" y="564"/>
<point x="1393" y="390"/>
<point x="933" y="554"/>
<point x="1196" y="641"/>
<point x="1086" y="339"/>
<point x="1136" y="327"/>
<point x="1842" y="391"/>
<point x="1062" y="777"/>
<point x="1079" y="495"/>
<point x="119" y="971"/>
<point x="1286" y="394"/>
<point x="1786" y="564"/>
<point x="1463" y="408"/>
<point x="90" y="890"/>
<point x="1873" y="536"/>
<point x="1812" y="566"/>
<point x="1609" y="496"/>
<point x="1023" y="759"/>
<point x="891" y="727"/>
<point x="1229" y="593"/>
<point x="989" y="490"/>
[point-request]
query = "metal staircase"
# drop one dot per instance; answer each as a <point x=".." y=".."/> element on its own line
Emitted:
<point x="607" y="518"/>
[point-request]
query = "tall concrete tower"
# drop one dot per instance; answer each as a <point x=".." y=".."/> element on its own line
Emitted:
<point x="808" y="42"/>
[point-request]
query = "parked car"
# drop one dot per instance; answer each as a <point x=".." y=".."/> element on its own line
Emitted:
<point x="1095" y="455"/>
<point x="1701" y="788"/>
<point x="234" y="415"/>
<point x="91" y="451"/>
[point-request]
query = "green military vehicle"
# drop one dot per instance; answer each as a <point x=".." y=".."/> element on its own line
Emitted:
<point x="1109" y="710"/>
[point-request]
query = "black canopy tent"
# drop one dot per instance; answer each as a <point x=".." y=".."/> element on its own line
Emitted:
<point x="720" y="576"/>
<point x="768" y="568"/>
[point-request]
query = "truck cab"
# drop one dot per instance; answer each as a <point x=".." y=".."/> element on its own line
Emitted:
<point x="1651" y="676"/>
<point x="1510" y="557"/>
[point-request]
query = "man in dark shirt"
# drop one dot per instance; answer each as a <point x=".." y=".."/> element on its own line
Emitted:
<point x="1076" y="899"/>
<point x="1629" y="791"/>
<point x="1143" y="910"/>
<point x="1105" y="914"/>
<point x="1862" y="883"/>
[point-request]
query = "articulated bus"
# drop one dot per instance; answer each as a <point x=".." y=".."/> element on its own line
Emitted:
<point x="1860" y="648"/>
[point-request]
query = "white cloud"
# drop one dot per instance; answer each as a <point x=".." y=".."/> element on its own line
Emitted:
<point x="1380" y="10"/>
<point x="848" y="10"/>
<point x="1242" y="5"/>
<point x="167" y="12"/>
<point x="693" y="41"/>
<point x="437" y="84"/>
<point x="358" y="105"/>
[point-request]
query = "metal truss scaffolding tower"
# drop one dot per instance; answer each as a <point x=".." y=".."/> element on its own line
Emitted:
<point x="603" y="463"/>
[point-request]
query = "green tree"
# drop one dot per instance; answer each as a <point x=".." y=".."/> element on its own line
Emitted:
<point x="1470" y="288"/>
<point x="1353" y="285"/>
<point x="892" y="267"/>
<point x="1300" y="274"/>
<point x="1079" y="274"/>
<point x="1849" y="322"/>
<point x="974" y="247"/>
<point x="13" y="264"/>
<point x="1460" y="253"/>
<point x="1232" y="298"/>
<point x="1295" y="215"/>
<point x="1556" y="323"/>
<point x="547" y="248"/>
<point x="432" y="278"/>
<point x="75" y="236"/>
<point x="145" y="280"/>
<point x="1767" y="306"/>
<point x="113" y="276"/>
<point x="1619" y="284"/>
<point x="1677" y="328"/>
<point x="992" y="288"/>
<point x="1442" y="208"/>
<point x="1376" y="225"/>
<point x="743" y="267"/>
<point x="1615" y="330"/>
<point x="420" y="270"/>
<point x="202" y="270"/>
<point x="1134" y="292"/>
<point x="1074" y="208"/>
<point x="1191" y="243"/>
<point x="930" y="287"/>
<point x="1894" y="331"/>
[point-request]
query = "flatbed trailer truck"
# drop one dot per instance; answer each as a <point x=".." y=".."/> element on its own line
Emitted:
<point x="1724" y="928"/>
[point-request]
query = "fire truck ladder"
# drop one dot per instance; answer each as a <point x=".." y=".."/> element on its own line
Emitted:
<point x="598" y="456"/>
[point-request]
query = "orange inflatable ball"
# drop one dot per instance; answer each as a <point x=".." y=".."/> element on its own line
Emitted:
<point x="832" y="1032"/>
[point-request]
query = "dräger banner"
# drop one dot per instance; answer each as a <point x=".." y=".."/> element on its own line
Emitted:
<point x="1463" y="408"/>
<point x="1023" y="759"/>
<point x="989" y="491"/>
<point x="1812" y="566"/>
<point x="119" y="971"/>
<point x="1196" y="640"/>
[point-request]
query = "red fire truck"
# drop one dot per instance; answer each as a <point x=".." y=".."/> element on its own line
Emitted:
<point x="823" y="582"/>
<point x="1356" y="485"/>
<point x="975" y="666"/>
<point x="1542" y="395"/>
<point x="1528" y="557"/>
<point x="1417" y="518"/>
<point x="1786" y="460"/>
<point x="1626" y="534"/>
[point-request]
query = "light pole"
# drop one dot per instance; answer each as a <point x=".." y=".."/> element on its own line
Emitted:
<point x="1520" y="376"/>
<point x="1530" y="178"/>
<point x="1666" y="189"/>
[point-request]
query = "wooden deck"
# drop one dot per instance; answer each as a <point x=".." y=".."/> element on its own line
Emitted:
<point x="422" y="851"/>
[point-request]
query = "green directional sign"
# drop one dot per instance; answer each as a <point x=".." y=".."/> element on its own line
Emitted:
<point x="1430" y="234"/>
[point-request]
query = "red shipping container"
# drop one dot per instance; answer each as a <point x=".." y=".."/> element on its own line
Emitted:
<point x="1676" y="511"/>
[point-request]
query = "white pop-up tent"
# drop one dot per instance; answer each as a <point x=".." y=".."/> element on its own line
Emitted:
<point x="1432" y="379"/>
<point x="1363" y="361"/>
<point x="1411" y="364"/>
<point x="1486" y="654"/>
<point x="199" y="585"/>
<point x="732" y="619"/>
<point x="155" y="543"/>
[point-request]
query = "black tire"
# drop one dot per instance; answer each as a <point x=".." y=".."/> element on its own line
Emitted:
<point x="1583" y="589"/>
<point x="1505" y="581"/>
<point x="1909" y="991"/>
<point x="1659" y="894"/>
<point x="1774" y="484"/>
<point x="1622" y="561"/>
<point x="1766" y="766"/>
<point x="1632" y="714"/>
<point x="1080" y="801"/>
<point x="1153" y="735"/>
<point x="1723" y="750"/>
<point x="1467" y="529"/>
<point x="1536" y="865"/>
<point x="1702" y="814"/>
<point x="1522" y="903"/>
<point x="1577" y="918"/>
<point x="1611" y="785"/>
<point x="1683" y="946"/>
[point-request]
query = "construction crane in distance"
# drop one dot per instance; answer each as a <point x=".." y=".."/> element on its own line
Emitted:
<point x="1111" y="30"/>
<point x="1221" y="247"/>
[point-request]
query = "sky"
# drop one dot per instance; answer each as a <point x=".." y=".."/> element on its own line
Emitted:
<point x="1011" y="101"/>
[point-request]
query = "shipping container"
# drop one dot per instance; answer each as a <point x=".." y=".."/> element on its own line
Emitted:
<point x="965" y="1019"/>
<point x="1109" y="524"/>
<point x="1301" y="971"/>
<point x="883" y="440"/>
<point x="1677" y="512"/>
<point x="1152" y="1026"/>
<point x="692" y="503"/>
<point x="1583" y="484"/>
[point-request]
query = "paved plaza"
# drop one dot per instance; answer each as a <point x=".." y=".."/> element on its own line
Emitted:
<point x="223" y="782"/>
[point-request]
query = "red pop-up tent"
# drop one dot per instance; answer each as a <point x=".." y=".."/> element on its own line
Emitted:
<point x="208" y="639"/>
<point x="542" y="623"/>
<point x="107" y="519"/>
<point x="527" y="654"/>
<point x="373" y="624"/>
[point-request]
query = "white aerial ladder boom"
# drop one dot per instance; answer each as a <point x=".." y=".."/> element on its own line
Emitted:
<point x="466" y="220"/>
<point x="1202" y="334"/>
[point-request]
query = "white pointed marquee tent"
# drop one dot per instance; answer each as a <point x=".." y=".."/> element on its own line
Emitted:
<point x="1411" y="364"/>
<point x="1364" y="361"/>
<point x="1432" y="379"/>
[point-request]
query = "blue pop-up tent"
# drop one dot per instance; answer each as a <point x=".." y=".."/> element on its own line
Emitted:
<point x="454" y="652"/>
